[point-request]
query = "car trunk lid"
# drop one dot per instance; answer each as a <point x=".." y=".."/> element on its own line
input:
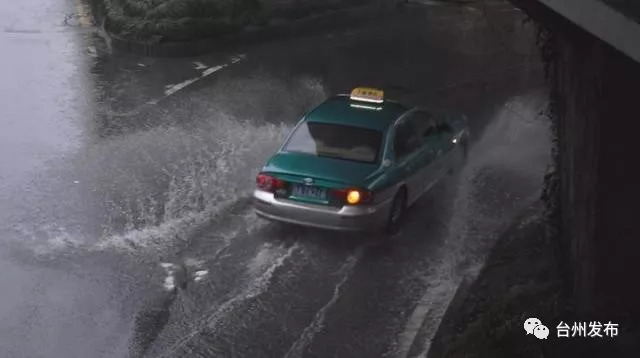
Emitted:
<point x="299" y="169"/>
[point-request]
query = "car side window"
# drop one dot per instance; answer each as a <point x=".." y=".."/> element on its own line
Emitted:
<point x="423" y="124"/>
<point x="443" y="127"/>
<point x="432" y="124"/>
<point x="406" y="140"/>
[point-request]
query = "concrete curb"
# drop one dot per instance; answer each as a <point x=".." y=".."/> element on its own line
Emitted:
<point x="457" y="313"/>
<point x="277" y="28"/>
<point x="448" y="322"/>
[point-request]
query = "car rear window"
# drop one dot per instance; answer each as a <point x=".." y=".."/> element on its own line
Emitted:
<point x="336" y="141"/>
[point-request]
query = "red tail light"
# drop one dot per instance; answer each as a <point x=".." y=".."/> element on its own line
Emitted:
<point x="353" y="196"/>
<point x="269" y="183"/>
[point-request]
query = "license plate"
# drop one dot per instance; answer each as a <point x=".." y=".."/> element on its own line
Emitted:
<point x="311" y="192"/>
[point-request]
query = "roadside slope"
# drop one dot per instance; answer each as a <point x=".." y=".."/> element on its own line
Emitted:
<point x="518" y="281"/>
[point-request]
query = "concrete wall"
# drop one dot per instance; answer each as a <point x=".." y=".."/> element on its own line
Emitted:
<point x="595" y="96"/>
<point x="615" y="249"/>
<point x="616" y="25"/>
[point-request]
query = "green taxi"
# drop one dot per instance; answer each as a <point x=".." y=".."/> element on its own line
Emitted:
<point x="358" y="162"/>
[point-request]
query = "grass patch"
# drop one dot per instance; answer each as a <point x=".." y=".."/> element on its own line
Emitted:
<point x="177" y="20"/>
<point x="183" y="20"/>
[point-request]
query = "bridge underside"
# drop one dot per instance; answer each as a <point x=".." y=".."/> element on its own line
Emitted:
<point x="595" y="96"/>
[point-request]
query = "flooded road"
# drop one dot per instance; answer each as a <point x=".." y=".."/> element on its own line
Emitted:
<point x="126" y="223"/>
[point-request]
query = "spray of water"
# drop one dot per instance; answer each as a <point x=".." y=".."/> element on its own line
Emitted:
<point x="151" y="188"/>
<point x="503" y="174"/>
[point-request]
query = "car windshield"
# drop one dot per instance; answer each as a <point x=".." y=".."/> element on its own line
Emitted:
<point x="336" y="141"/>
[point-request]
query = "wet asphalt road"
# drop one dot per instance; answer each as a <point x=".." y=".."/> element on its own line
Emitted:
<point x="125" y="221"/>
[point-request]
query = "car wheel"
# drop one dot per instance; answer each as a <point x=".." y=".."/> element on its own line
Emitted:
<point x="396" y="214"/>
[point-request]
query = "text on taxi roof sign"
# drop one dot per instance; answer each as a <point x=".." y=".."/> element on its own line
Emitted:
<point x="367" y="94"/>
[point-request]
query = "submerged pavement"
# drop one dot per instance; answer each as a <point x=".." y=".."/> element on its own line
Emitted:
<point x="125" y="221"/>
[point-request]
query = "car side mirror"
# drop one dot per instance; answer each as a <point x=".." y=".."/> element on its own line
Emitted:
<point x="387" y="163"/>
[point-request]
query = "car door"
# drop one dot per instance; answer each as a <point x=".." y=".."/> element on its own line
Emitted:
<point x="446" y="146"/>
<point x="424" y="125"/>
<point x="409" y="157"/>
<point x="433" y="149"/>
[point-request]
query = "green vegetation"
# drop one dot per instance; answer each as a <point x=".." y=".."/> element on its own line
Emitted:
<point x="177" y="20"/>
<point x="183" y="20"/>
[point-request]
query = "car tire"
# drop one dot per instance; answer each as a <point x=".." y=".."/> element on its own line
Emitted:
<point x="397" y="211"/>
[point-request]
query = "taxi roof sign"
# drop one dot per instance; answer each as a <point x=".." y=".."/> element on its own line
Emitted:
<point x="367" y="94"/>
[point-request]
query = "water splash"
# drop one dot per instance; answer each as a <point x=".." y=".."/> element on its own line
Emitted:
<point x="503" y="174"/>
<point x="152" y="188"/>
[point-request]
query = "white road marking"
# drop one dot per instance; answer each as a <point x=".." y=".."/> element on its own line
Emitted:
<point x="211" y="70"/>
<point x="172" y="89"/>
<point x="199" y="65"/>
<point x="297" y="348"/>
<point x="238" y="58"/>
<point x="199" y="275"/>
<point x="423" y="353"/>
<point x="428" y="311"/>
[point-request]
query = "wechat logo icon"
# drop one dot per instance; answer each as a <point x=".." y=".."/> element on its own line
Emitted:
<point x="534" y="326"/>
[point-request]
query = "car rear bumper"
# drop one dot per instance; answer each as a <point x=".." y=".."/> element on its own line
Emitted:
<point x="346" y="218"/>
